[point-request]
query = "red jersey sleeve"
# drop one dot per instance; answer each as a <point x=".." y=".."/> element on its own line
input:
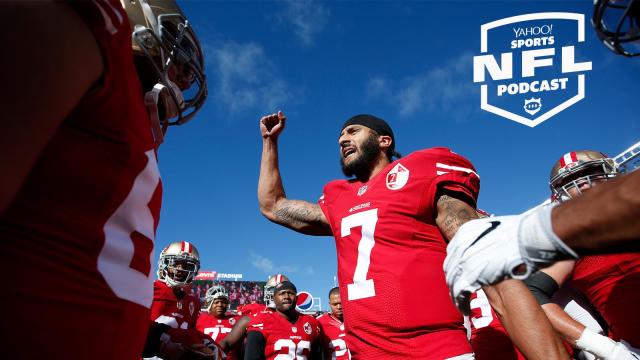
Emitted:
<point x="323" y="206"/>
<point x="256" y="323"/>
<point x="453" y="172"/>
<point x="329" y="192"/>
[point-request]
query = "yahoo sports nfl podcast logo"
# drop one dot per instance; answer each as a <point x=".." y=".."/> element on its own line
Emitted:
<point x="531" y="65"/>
<point x="305" y="301"/>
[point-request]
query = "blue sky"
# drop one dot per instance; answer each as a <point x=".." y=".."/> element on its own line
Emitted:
<point x="410" y="63"/>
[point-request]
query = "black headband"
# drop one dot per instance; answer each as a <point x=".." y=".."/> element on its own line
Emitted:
<point x="374" y="123"/>
<point x="285" y="285"/>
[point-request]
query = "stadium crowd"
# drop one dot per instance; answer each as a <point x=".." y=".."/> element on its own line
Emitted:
<point x="240" y="292"/>
<point x="557" y="282"/>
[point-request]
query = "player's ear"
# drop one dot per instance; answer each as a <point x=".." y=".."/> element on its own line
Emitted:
<point x="385" y="142"/>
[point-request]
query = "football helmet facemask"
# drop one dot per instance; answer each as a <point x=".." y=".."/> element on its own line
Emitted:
<point x="577" y="168"/>
<point x="214" y="292"/>
<point x="269" y="289"/>
<point x="617" y="23"/>
<point x="178" y="264"/>
<point x="162" y="34"/>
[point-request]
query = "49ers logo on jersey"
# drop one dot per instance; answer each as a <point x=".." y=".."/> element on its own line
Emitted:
<point x="397" y="178"/>
<point x="307" y="328"/>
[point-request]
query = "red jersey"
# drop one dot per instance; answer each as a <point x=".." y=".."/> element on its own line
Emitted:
<point x="167" y="308"/>
<point x="612" y="285"/>
<point x="489" y="338"/>
<point x="285" y="339"/>
<point x="217" y="328"/>
<point x="390" y="255"/>
<point x="332" y="337"/>
<point x="82" y="226"/>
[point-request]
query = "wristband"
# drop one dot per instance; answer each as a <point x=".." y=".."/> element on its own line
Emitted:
<point x="598" y="345"/>
<point x="581" y="315"/>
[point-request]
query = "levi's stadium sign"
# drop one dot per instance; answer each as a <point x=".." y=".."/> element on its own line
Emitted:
<point x="214" y="275"/>
<point x="206" y="275"/>
<point x="528" y="69"/>
<point x="226" y="276"/>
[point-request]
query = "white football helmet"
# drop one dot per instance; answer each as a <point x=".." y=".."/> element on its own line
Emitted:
<point x="178" y="264"/>
<point x="269" y="289"/>
<point x="162" y="35"/>
<point x="214" y="292"/>
<point x="577" y="168"/>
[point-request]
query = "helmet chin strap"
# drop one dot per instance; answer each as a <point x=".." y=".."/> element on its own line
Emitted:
<point x="171" y="101"/>
<point x="151" y="102"/>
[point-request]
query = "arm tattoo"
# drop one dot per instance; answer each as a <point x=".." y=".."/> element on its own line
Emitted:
<point x="296" y="213"/>
<point x="452" y="213"/>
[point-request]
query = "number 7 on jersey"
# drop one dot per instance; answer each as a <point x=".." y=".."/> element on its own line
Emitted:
<point x="361" y="287"/>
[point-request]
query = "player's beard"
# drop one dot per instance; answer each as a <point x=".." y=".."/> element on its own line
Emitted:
<point x="361" y="166"/>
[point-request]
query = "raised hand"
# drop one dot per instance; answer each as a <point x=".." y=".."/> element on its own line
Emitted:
<point x="272" y="125"/>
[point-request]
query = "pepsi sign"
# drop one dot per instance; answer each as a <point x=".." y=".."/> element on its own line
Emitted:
<point x="305" y="301"/>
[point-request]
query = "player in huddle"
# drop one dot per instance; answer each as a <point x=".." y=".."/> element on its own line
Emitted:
<point x="333" y="337"/>
<point x="284" y="333"/>
<point x="237" y="335"/>
<point x="80" y="187"/>
<point x="391" y="222"/>
<point x="214" y="321"/>
<point x="174" y="311"/>
<point x="269" y="286"/>
<point x="609" y="282"/>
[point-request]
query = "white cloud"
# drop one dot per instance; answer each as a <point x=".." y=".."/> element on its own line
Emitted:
<point x="267" y="266"/>
<point x="308" y="18"/>
<point x="376" y="87"/>
<point x="446" y="89"/>
<point x="244" y="77"/>
<point x="262" y="263"/>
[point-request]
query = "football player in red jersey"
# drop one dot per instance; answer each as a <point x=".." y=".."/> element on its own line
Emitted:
<point x="80" y="191"/>
<point x="284" y="333"/>
<point x="214" y="321"/>
<point x="332" y="335"/>
<point x="610" y="282"/>
<point x="237" y="334"/>
<point x="269" y="287"/>
<point x="388" y="224"/>
<point x="391" y="224"/>
<point x="174" y="311"/>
